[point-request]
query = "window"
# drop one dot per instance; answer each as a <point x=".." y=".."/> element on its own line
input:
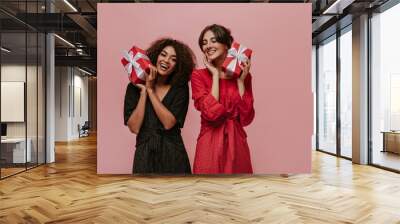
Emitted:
<point x="22" y="65"/>
<point x="385" y="88"/>
<point x="346" y="75"/>
<point x="327" y="95"/>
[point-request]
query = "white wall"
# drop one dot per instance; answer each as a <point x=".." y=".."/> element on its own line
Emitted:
<point x="80" y="110"/>
<point x="12" y="73"/>
<point x="62" y="80"/>
<point x="71" y="93"/>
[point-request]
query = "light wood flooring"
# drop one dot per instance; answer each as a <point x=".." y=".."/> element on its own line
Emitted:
<point x="5" y="172"/>
<point x="70" y="191"/>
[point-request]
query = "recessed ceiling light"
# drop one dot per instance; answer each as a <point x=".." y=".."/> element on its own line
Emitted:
<point x="5" y="50"/>
<point x="70" y="5"/>
<point x="64" y="40"/>
<point x="338" y="6"/>
<point x="84" y="71"/>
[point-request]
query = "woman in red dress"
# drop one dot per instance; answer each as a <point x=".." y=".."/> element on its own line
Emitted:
<point x="226" y="106"/>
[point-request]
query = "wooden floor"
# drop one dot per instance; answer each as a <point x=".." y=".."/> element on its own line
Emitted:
<point x="5" y="172"/>
<point x="8" y="171"/>
<point x="70" y="191"/>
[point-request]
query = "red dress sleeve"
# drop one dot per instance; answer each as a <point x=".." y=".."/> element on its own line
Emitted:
<point x="210" y="108"/>
<point x="245" y="105"/>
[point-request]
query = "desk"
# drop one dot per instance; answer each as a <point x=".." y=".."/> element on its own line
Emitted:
<point x="13" y="150"/>
<point x="391" y="141"/>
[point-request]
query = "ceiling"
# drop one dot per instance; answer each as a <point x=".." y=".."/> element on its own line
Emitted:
<point x="77" y="22"/>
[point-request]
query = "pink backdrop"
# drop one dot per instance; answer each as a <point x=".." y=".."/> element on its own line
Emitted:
<point x="280" y="35"/>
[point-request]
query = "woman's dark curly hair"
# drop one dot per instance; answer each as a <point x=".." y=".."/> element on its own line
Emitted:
<point x="185" y="59"/>
<point x="222" y="35"/>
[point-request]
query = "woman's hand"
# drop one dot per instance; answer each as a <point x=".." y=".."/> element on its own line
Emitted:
<point x="245" y="69"/>
<point x="142" y="88"/>
<point x="213" y="70"/>
<point x="150" y="78"/>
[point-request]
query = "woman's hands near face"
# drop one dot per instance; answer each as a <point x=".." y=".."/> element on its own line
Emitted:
<point x="149" y="80"/>
<point x="142" y="88"/>
<point x="245" y="69"/>
<point x="151" y="77"/>
<point x="213" y="70"/>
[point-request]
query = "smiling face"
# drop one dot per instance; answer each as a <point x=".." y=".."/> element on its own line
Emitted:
<point x="211" y="48"/>
<point x="166" y="61"/>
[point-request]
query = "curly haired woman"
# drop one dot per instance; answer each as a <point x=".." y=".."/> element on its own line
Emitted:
<point x="156" y="111"/>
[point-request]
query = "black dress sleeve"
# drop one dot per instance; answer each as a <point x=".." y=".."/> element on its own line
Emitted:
<point x="131" y="100"/>
<point x="180" y="104"/>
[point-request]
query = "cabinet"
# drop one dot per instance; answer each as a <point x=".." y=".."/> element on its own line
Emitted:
<point x="391" y="142"/>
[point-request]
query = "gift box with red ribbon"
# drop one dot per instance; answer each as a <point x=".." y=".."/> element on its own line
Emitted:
<point x="137" y="64"/>
<point x="237" y="55"/>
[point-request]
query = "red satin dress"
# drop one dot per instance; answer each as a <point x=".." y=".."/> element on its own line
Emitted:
<point x="222" y="143"/>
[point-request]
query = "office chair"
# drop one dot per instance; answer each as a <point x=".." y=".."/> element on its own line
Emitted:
<point x="84" y="130"/>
